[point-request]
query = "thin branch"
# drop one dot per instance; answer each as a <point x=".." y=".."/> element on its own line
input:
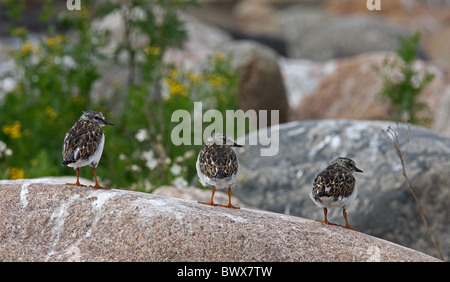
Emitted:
<point x="392" y="135"/>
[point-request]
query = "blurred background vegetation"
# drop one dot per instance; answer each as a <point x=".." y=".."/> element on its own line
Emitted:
<point x="53" y="83"/>
<point x="57" y="73"/>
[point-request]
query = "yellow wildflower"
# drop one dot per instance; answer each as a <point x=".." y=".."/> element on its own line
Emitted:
<point x="51" y="113"/>
<point x="176" y="88"/>
<point x="219" y="57"/>
<point x="17" y="173"/>
<point x="26" y="49"/>
<point x="216" y="80"/>
<point x="13" y="130"/>
<point x="193" y="77"/>
<point x="55" y="41"/>
<point x="19" y="31"/>
<point x="152" y="50"/>
<point x="173" y="73"/>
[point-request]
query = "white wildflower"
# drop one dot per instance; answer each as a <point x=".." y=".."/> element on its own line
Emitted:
<point x="142" y="135"/>
<point x="135" y="168"/>
<point x="68" y="62"/>
<point x="151" y="162"/>
<point x="175" y="169"/>
<point x="148" y="186"/>
<point x="2" y="146"/>
<point x="3" y="149"/>
<point x="8" y="84"/>
<point x="180" y="182"/>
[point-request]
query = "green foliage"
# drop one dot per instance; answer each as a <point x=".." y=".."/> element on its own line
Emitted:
<point x="147" y="157"/>
<point x="403" y="92"/>
<point x="53" y="77"/>
<point x="53" y="83"/>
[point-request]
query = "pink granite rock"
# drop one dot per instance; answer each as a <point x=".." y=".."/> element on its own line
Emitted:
<point x="42" y="221"/>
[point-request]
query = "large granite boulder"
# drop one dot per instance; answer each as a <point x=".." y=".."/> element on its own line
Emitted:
<point x="42" y="221"/>
<point x="384" y="207"/>
<point x="350" y="90"/>
<point x="261" y="82"/>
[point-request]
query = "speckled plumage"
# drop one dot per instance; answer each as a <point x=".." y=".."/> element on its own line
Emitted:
<point x="83" y="143"/>
<point x="334" y="187"/>
<point x="334" y="181"/>
<point x="217" y="164"/>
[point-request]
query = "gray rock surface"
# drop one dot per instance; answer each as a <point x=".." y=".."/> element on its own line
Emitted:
<point x="43" y="221"/>
<point x="384" y="207"/>
<point x="314" y="34"/>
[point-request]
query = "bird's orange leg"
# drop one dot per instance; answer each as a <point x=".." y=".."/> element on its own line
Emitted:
<point x="325" y="211"/>
<point x="78" y="181"/>
<point x="211" y="202"/>
<point x="346" y="222"/>
<point x="97" y="186"/>
<point x="229" y="201"/>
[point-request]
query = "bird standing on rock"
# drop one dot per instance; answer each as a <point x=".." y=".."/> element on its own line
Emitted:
<point x="334" y="187"/>
<point x="83" y="144"/>
<point x="217" y="165"/>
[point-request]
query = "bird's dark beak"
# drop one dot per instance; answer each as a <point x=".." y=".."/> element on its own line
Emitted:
<point x="358" y="170"/>
<point x="237" y="145"/>
<point x="107" y="122"/>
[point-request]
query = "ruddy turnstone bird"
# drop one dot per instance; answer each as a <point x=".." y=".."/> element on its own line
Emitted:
<point x="334" y="187"/>
<point x="217" y="165"/>
<point x="83" y="144"/>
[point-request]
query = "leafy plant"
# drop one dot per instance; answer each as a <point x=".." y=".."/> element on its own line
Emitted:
<point x="53" y="82"/>
<point x="403" y="91"/>
<point x="152" y="159"/>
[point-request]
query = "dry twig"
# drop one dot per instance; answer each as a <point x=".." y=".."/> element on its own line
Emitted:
<point x="392" y="135"/>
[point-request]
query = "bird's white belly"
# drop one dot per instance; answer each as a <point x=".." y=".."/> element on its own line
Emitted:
<point x="330" y="202"/>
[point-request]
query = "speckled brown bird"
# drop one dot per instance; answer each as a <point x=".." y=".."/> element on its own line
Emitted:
<point x="83" y="144"/>
<point x="217" y="165"/>
<point x="334" y="187"/>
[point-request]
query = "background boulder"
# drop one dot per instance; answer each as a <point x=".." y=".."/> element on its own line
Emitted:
<point x="351" y="91"/>
<point x="384" y="207"/>
<point x="261" y="83"/>
<point x="316" y="35"/>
